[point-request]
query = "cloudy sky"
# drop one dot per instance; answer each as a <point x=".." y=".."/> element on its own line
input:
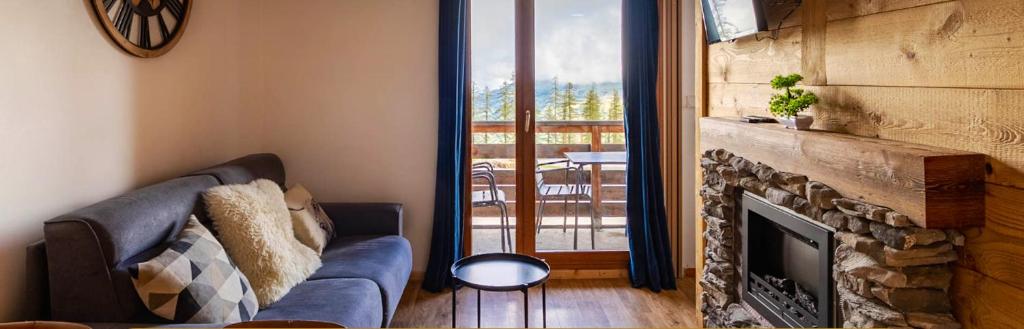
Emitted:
<point x="576" y="40"/>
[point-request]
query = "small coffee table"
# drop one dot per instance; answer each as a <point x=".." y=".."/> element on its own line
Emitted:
<point x="502" y="272"/>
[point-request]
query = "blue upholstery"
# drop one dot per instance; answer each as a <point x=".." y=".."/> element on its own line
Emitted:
<point x="246" y="169"/>
<point x="354" y="303"/>
<point x="364" y="218"/>
<point x="386" y="260"/>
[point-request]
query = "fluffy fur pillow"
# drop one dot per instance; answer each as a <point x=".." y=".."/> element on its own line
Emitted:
<point x="256" y="229"/>
<point x="312" y="226"/>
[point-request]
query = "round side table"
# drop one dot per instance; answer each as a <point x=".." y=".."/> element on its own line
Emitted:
<point x="502" y="272"/>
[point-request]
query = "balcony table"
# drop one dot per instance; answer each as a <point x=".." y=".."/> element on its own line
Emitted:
<point x="595" y="160"/>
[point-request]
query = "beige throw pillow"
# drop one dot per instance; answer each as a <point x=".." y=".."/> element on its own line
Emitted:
<point x="312" y="226"/>
<point x="256" y="230"/>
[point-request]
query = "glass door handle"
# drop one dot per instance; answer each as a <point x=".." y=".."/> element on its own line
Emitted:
<point x="528" y="122"/>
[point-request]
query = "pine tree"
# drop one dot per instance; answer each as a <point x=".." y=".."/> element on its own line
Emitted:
<point x="554" y="103"/>
<point x="567" y="109"/>
<point x="507" y="99"/>
<point x="476" y="102"/>
<point x="485" y="107"/>
<point x="592" y="105"/>
<point x="568" y="105"/>
<point x="615" y="111"/>
<point x="551" y="109"/>
<point x="486" y="113"/>
<point x="507" y="109"/>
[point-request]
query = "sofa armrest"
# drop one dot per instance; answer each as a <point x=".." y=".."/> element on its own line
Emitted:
<point x="365" y="218"/>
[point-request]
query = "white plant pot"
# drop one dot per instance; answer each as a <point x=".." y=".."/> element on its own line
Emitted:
<point x="800" y="122"/>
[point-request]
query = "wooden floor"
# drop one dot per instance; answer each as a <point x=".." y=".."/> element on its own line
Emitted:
<point x="571" y="303"/>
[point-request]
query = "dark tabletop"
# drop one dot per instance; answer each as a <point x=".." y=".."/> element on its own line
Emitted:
<point x="500" y="272"/>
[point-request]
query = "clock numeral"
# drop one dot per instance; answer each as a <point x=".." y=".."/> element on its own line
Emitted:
<point x="123" y="20"/>
<point x="144" y="41"/>
<point x="176" y="8"/>
<point x="107" y="4"/>
<point x="164" y="32"/>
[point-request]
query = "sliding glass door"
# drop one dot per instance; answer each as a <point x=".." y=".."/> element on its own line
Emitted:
<point x="579" y="136"/>
<point x="494" y="108"/>
<point x="548" y="142"/>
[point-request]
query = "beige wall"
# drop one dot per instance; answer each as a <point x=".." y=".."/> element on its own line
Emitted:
<point x="81" y="121"/>
<point x="351" y="101"/>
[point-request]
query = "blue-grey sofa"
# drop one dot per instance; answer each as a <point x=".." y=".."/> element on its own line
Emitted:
<point x="77" y="273"/>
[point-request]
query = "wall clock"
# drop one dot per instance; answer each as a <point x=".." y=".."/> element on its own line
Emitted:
<point x="144" y="28"/>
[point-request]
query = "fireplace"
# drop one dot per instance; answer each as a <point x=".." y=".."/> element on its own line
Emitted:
<point x="788" y="274"/>
<point x="781" y="250"/>
<point x="817" y="229"/>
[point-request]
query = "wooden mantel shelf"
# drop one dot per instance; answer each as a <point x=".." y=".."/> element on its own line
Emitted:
<point x="935" y="187"/>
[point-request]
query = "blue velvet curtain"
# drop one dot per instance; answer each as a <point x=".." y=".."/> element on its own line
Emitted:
<point x="446" y="243"/>
<point x="650" y="257"/>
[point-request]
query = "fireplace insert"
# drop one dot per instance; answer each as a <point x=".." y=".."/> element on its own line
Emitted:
<point x="787" y="265"/>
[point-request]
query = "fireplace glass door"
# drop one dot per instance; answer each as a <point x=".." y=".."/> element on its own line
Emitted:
<point x="787" y="265"/>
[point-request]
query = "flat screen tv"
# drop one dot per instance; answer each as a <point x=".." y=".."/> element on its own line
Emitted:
<point x="730" y="19"/>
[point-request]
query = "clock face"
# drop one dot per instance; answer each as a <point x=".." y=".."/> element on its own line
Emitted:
<point x="144" y="28"/>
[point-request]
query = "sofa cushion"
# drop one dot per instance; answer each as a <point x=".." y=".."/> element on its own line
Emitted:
<point x="256" y="229"/>
<point x="194" y="281"/>
<point x="312" y="226"/>
<point x="85" y="246"/>
<point x="354" y="303"/>
<point x="386" y="260"/>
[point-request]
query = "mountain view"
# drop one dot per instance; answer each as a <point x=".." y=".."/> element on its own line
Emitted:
<point x="488" y="103"/>
<point x="555" y="101"/>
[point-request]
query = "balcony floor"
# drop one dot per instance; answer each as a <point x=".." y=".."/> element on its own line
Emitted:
<point x="611" y="237"/>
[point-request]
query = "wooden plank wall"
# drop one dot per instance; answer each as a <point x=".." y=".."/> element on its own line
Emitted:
<point x="937" y="72"/>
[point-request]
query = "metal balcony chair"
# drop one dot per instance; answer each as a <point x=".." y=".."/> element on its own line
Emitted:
<point x="484" y="166"/>
<point x="492" y="197"/>
<point x="573" y="189"/>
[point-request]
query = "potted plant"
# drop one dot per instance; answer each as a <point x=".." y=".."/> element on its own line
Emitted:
<point x="787" y="105"/>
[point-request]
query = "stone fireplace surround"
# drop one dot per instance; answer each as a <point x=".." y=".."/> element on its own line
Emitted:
<point x="889" y="273"/>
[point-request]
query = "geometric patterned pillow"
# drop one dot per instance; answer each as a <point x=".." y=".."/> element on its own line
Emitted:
<point x="194" y="281"/>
